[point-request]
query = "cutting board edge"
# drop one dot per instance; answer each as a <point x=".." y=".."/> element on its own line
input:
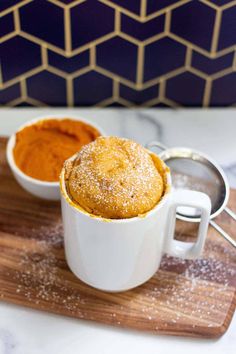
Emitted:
<point x="212" y="332"/>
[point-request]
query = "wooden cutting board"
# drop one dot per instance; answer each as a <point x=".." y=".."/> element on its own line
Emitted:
<point x="189" y="298"/>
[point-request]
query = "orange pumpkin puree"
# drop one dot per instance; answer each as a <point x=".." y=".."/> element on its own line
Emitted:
<point x="42" y="148"/>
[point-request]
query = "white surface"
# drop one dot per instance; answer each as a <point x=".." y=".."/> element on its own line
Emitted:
<point x="24" y="331"/>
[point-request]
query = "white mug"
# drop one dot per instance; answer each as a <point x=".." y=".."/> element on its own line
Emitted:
<point x="120" y="254"/>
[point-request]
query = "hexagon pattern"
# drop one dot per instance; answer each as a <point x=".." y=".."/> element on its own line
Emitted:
<point x="44" y="20"/>
<point x="185" y="88"/>
<point x="15" y="54"/>
<point x="71" y="64"/>
<point x="200" y="28"/>
<point x="9" y="93"/>
<point x="118" y="53"/>
<point x="162" y="57"/>
<point x="139" y="96"/>
<point x="154" y="5"/>
<point x="54" y="88"/>
<point x="212" y="66"/>
<point x="123" y="54"/>
<point x="132" y="6"/>
<point x="142" y="30"/>
<point x="227" y="85"/>
<point x="90" y="21"/>
<point x="86" y="93"/>
<point x="221" y="2"/>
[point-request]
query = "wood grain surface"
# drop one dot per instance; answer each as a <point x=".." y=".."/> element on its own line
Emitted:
<point x="189" y="298"/>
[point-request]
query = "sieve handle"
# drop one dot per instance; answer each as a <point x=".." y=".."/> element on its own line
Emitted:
<point x="192" y="199"/>
<point x="223" y="233"/>
<point x="230" y="213"/>
<point x="156" y="144"/>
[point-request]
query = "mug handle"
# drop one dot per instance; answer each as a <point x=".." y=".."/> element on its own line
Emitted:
<point x="193" y="199"/>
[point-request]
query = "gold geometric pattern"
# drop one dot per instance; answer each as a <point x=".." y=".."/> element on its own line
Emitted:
<point x="139" y="83"/>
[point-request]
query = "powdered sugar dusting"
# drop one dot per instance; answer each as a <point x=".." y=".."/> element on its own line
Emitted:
<point x="41" y="279"/>
<point x="198" y="289"/>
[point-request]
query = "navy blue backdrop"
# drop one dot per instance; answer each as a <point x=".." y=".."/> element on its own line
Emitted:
<point x="118" y="53"/>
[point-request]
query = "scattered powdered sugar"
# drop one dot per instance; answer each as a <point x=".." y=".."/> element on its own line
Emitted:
<point x="196" y="291"/>
<point x="41" y="278"/>
<point x="52" y="234"/>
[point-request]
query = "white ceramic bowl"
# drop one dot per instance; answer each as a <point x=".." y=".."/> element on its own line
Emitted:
<point x="41" y="189"/>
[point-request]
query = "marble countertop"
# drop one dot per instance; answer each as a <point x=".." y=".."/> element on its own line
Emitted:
<point x="25" y="331"/>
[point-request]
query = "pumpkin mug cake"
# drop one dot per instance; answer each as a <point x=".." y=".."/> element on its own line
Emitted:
<point x="114" y="178"/>
<point x="118" y="212"/>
